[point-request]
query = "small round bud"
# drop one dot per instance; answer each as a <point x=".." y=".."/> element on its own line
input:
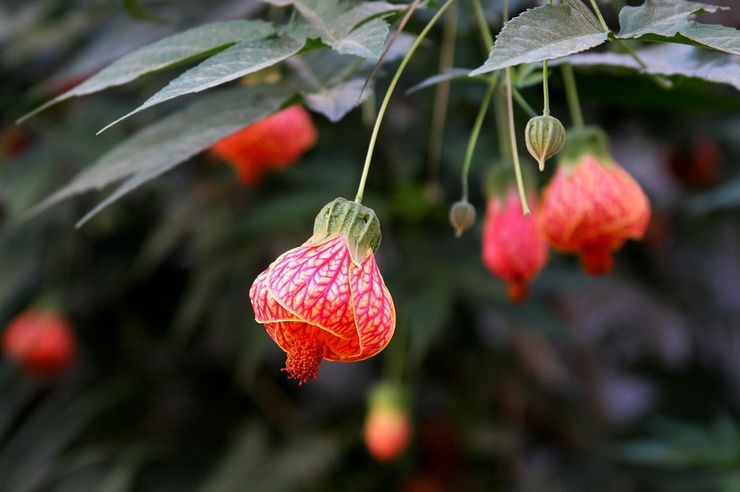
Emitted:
<point x="545" y="136"/>
<point x="462" y="216"/>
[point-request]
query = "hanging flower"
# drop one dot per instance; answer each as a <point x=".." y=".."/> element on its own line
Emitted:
<point x="513" y="246"/>
<point x="387" y="427"/>
<point x="274" y="142"/>
<point x="40" y="341"/>
<point x="326" y="299"/>
<point x="592" y="205"/>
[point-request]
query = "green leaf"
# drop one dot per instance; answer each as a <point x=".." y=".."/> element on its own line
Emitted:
<point x="544" y="33"/>
<point x="461" y="74"/>
<point x="335" y="102"/>
<point x="180" y="48"/>
<point x="160" y="147"/>
<point x="348" y="28"/>
<point x="237" y="61"/>
<point x="669" y="20"/>
<point x="670" y="60"/>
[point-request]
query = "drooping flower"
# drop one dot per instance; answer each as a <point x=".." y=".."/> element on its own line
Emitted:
<point x="387" y="427"/>
<point x="41" y="341"/>
<point x="274" y="142"/>
<point x="513" y="245"/>
<point x="326" y="299"/>
<point x="592" y="205"/>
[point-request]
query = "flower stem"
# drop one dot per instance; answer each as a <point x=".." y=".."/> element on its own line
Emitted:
<point x="598" y="14"/>
<point x="512" y="137"/>
<point x="442" y="95"/>
<point x="389" y="93"/>
<point x="571" y="93"/>
<point x="474" y="135"/>
<point x="545" y="91"/>
<point x="480" y="17"/>
<point x="663" y="82"/>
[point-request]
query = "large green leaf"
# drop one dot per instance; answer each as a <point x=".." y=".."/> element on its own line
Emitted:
<point x="237" y="61"/>
<point x="670" y="20"/>
<point x="180" y="48"/>
<point x="544" y="33"/>
<point x="347" y="27"/>
<point x="162" y="146"/>
<point x="670" y="60"/>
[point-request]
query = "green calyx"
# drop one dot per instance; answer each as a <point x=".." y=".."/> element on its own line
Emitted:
<point x="544" y="136"/>
<point x="462" y="216"/>
<point x="357" y="223"/>
<point x="500" y="180"/>
<point x="388" y="395"/>
<point x="589" y="140"/>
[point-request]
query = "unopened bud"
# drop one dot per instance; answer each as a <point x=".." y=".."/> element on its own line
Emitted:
<point x="462" y="216"/>
<point x="545" y="136"/>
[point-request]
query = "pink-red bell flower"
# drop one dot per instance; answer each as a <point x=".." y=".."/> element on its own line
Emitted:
<point x="513" y="248"/>
<point x="317" y="303"/>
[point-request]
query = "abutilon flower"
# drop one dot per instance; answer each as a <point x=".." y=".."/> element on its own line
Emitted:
<point x="387" y="427"/>
<point x="592" y="205"/>
<point x="274" y="142"/>
<point x="513" y="245"/>
<point x="40" y="341"/>
<point x="326" y="299"/>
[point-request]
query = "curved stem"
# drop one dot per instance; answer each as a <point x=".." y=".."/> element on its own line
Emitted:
<point x="598" y="14"/>
<point x="442" y="95"/>
<point x="571" y="94"/>
<point x="389" y="93"/>
<point x="658" y="79"/>
<point x="485" y="31"/>
<point x="474" y="136"/>
<point x="512" y="137"/>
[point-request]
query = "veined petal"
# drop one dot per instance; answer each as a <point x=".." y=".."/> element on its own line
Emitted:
<point x="375" y="314"/>
<point x="284" y="333"/>
<point x="266" y="309"/>
<point x="312" y="283"/>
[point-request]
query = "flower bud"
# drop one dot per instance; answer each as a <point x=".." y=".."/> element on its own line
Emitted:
<point x="545" y="136"/>
<point x="387" y="428"/>
<point x="462" y="216"/>
<point x="41" y="341"/>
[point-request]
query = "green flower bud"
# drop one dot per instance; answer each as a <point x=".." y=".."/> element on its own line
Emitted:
<point x="357" y="223"/>
<point x="545" y="136"/>
<point x="462" y="216"/>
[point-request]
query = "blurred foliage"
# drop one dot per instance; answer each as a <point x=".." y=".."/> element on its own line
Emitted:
<point x="628" y="382"/>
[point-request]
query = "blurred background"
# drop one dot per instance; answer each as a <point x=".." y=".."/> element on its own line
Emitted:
<point x="620" y="383"/>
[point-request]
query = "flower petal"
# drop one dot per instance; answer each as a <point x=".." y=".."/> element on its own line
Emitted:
<point x="312" y="282"/>
<point x="284" y="334"/>
<point x="266" y="309"/>
<point x="375" y="314"/>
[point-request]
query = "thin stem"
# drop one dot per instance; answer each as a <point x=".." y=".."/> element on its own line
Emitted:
<point x="442" y="94"/>
<point x="659" y="79"/>
<point x="485" y="31"/>
<point x="545" y="91"/>
<point x="499" y="107"/>
<point x="474" y="136"/>
<point x="389" y="93"/>
<point x="598" y="14"/>
<point x="514" y="151"/>
<point x="571" y="94"/>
